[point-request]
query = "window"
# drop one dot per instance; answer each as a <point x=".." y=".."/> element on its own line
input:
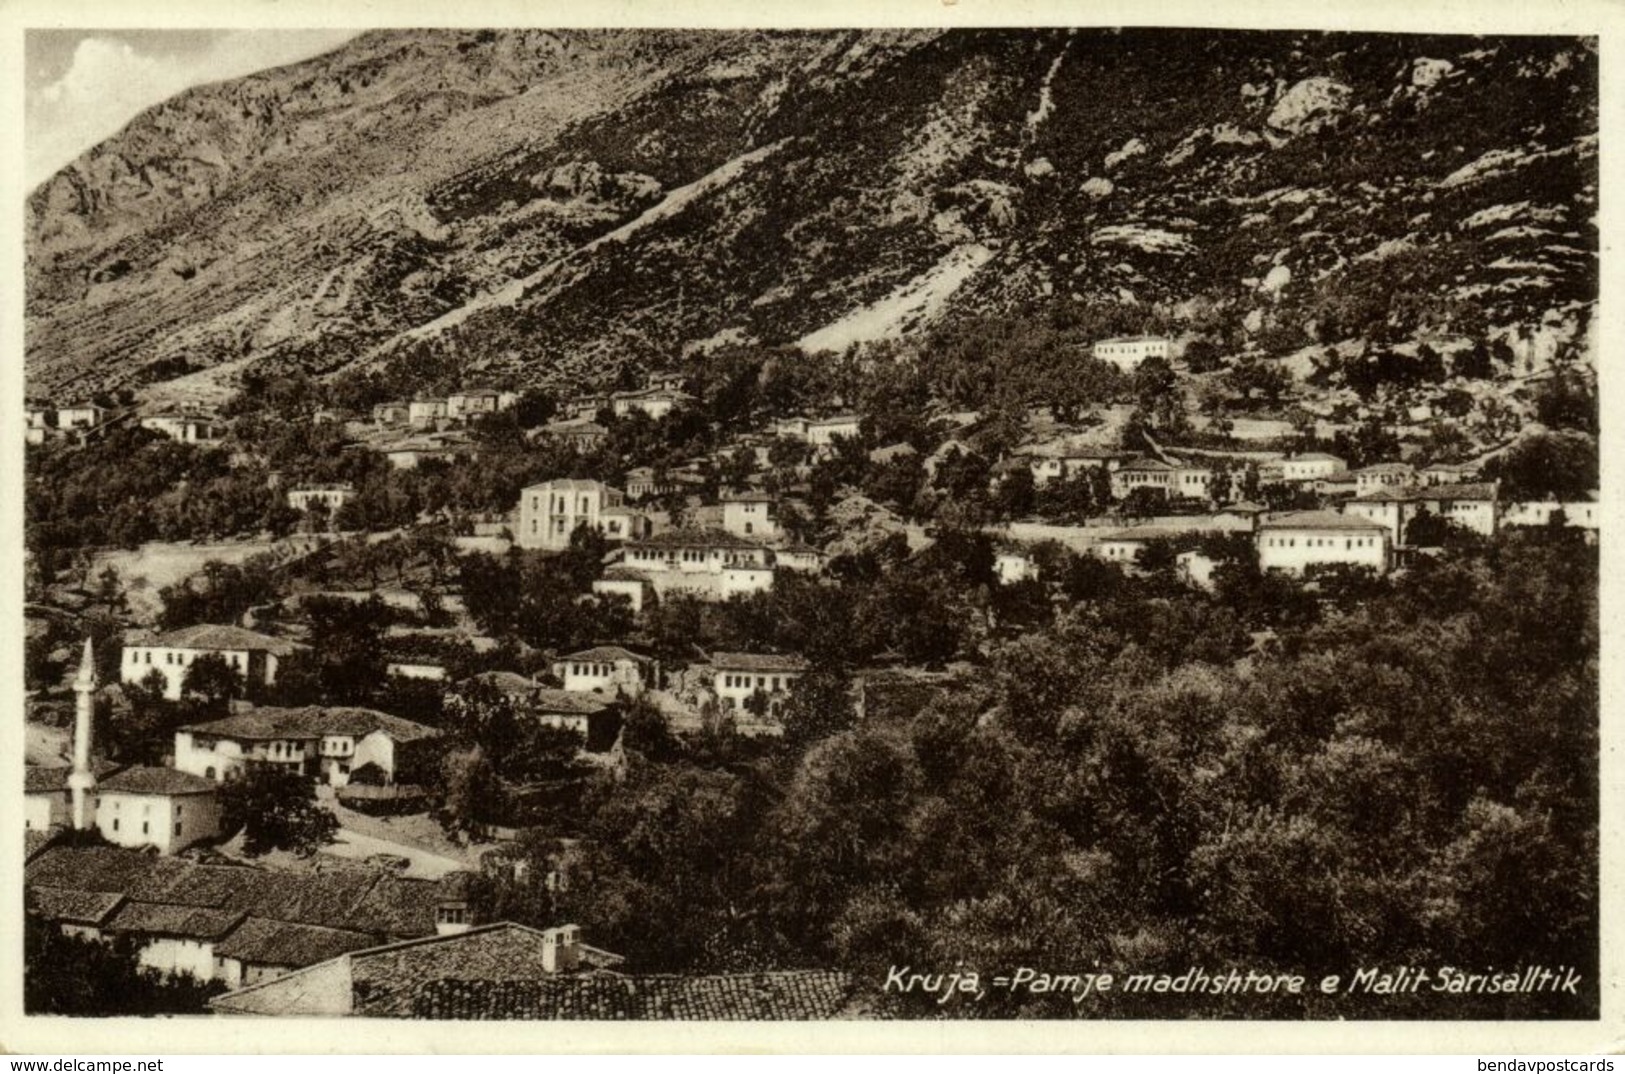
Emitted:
<point x="115" y="823"/>
<point x="177" y="827"/>
<point x="144" y="827"/>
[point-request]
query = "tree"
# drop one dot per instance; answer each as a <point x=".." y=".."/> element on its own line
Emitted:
<point x="80" y="977"/>
<point x="346" y="638"/>
<point x="819" y="705"/>
<point x="1561" y="466"/>
<point x="276" y="809"/>
<point x="212" y="679"/>
<point x="1014" y="495"/>
<point x="471" y="796"/>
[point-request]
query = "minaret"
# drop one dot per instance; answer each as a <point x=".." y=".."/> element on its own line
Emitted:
<point x="82" y="780"/>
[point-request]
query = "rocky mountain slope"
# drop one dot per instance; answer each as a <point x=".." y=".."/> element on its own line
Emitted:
<point x="548" y="205"/>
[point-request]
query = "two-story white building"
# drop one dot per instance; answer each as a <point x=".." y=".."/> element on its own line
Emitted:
<point x="1302" y="540"/>
<point x="820" y="432"/>
<point x="255" y="656"/>
<point x="551" y="511"/>
<point x="1384" y="475"/>
<point x="426" y="413"/>
<point x="186" y="428"/>
<point x="157" y="807"/>
<point x="80" y="416"/>
<point x="1471" y="506"/>
<point x="325" y="743"/>
<point x="607" y="669"/>
<point x="712" y="564"/>
<point x="331" y="497"/>
<point x="1128" y="353"/>
<point x="1065" y="459"/>
<point x="1298" y="469"/>
<point x="737" y="677"/>
<point x="655" y="402"/>
<point x="470" y="403"/>
<point x="751" y="514"/>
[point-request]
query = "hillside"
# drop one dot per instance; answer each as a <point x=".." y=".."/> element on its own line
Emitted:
<point x="546" y="206"/>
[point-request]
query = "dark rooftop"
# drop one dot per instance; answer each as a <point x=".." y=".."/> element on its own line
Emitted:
<point x="313" y="721"/>
<point x="145" y="780"/>
<point x="793" y="995"/>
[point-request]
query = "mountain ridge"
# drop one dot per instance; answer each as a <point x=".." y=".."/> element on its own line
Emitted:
<point x="546" y="207"/>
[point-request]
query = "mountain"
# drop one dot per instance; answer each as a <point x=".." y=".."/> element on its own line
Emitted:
<point x="545" y="206"/>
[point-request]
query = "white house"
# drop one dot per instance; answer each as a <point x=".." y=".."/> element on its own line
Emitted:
<point x="158" y="807"/>
<point x="475" y="402"/>
<point x="331" y="497"/>
<point x="1129" y="352"/>
<point x="798" y="557"/>
<point x="1471" y="506"/>
<point x="643" y="481"/>
<point x="425" y="413"/>
<point x="1125" y="545"/>
<point x="623" y="582"/>
<point x="751" y="514"/>
<point x="256" y="656"/>
<point x="1296" y="542"/>
<point x="605" y="669"/>
<point x="82" y="416"/>
<point x="1144" y="473"/>
<point x="1384" y="475"/>
<point x="736" y="677"/>
<point x="820" y="432"/>
<point x="387" y="414"/>
<point x="1014" y="566"/>
<point x="186" y="428"/>
<point x="1583" y="514"/>
<point x="712" y="564"/>
<point x="655" y="402"/>
<point x="1294" y="469"/>
<point x="329" y="744"/>
<point x="1065" y="459"/>
<point x="551" y="511"/>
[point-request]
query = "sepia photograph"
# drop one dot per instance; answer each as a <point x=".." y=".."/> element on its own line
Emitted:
<point x="932" y="523"/>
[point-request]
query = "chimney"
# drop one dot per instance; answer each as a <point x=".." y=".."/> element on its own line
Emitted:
<point x="561" y="949"/>
<point x="82" y="780"/>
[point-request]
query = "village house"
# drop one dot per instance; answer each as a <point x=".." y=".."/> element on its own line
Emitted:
<point x="1448" y="473"/>
<point x="737" y="677"/>
<point x="581" y="433"/>
<point x="1582" y="514"/>
<point x="607" y="669"/>
<point x="798" y="557"/>
<point x="47" y="798"/>
<point x="426" y="413"/>
<point x="1337" y="486"/>
<point x="37" y="424"/>
<point x="1065" y="459"/>
<point x="1128" y="353"/>
<point x="620" y="581"/>
<point x="1243" y="516"/>
<point x="157" y="807"/>
<point x="820" y="432"/>
<point x="654" y="402"/>
<point x="1471" y="506"/>
<point x="395" y="413"/>
<point x="328" y="744"/>
<point x="594" y="717"/>
<point x="1384" y="475"/>
<point x="186" y="428"/>
<point x="1013" y="566"/>
<point x="255" y="656"/>
<point x="643" y="482"/>
<point x="1173" y="482"/>
<point x="1298" y="469"/>
<point x="230" y="923"/>
<point x="393" y="981"/>
<point x="80" y="416"/>
<point x="551" y="511"/>
<point x="471" y="403"/>
<point x="751" y="514"/>
<point x="409" y="453"/>
<point x="1302" y="540"/>
<point x="584" y="407"/>
<point x="711" y="564"/>
<point x="1125" y="545"/>
<point x="331" y="497"/>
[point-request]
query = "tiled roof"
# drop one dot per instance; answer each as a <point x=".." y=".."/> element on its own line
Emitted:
<point x="384" y="980"/>
<point x="1473" y="490"/>
<point x="1322" y="520"/>
<point x="78" y="907"/>
<point x="748" y="497"/>
<point x="39" y="779"/>
<point x="694" y="538"/>
<point x="606" y="653"/>
<point x="280" y="943"/>
<point x="1141" y="533"/>
<point x="164" y="919"/>
<point x="1313" y="456"/>
<point x="1245" y="507"/>
<point x="548" y="701"/>
<point x="35" y="841"/>
<point x="1386" y="468"/>
<point x="1152" y="465"/>
<point x="758" y="662"/>
<point x="312" y="721"/>
<point x="794" y="995"/>
<point x="509" y="682"/>
<point x="145" y="780"/>
<point x="216" y="636"/>
<point x="357" y="899"/>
